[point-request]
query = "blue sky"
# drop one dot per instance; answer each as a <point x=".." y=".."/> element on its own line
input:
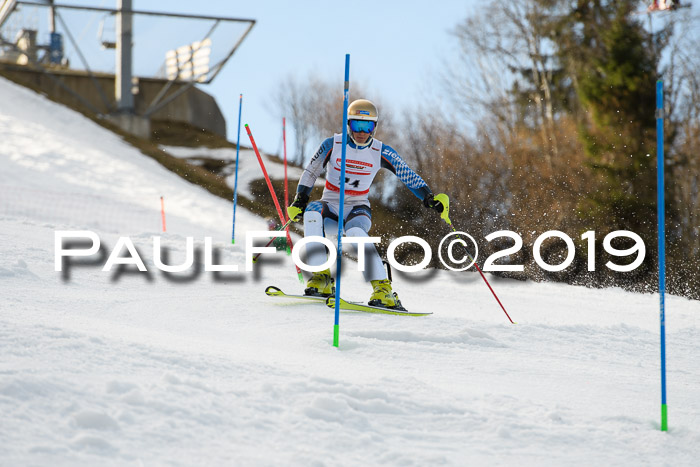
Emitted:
<point x="397" y="49"/>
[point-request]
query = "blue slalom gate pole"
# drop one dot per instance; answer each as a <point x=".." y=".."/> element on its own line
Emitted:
<point x="346" y="91"/>
<point x="235" y="182"/>
<point x="662" y="241"/>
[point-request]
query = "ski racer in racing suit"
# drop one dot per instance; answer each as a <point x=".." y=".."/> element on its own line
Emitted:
<point x="365" y="155"/>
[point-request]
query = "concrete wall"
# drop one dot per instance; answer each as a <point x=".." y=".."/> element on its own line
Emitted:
<point x="195" y="106"/>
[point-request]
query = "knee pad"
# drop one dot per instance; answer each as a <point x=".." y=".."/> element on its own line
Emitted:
<point x="363" y="223"/>
<point x="313" y="224"/>
<point x="313" y="227"/>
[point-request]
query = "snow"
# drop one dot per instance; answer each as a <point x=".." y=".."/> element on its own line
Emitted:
<point x="201" y="368"/>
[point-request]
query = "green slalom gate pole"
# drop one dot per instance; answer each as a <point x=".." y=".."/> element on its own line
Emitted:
<point x="346" y="93"/>
<point x="661" y="217"/>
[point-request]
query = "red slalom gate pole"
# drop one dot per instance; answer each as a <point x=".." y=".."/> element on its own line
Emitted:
<point x="272" y="193"/>
<point x="162" y="211"/>
<point x="286" y="184"/>
<point x="284" y="141"/>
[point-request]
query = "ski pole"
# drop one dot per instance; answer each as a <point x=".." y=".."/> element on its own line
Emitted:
<point x="255" y="258"/>
<point x="445" y="200"/>
<point x="273" y="194"/>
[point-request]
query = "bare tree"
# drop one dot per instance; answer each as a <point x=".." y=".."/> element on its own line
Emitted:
<point x="314" y="109"/>
<point x="294" y="101"/>
<point x="499" y="47"/>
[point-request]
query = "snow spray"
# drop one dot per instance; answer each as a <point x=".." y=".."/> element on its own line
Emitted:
<point x="445" y="200"/>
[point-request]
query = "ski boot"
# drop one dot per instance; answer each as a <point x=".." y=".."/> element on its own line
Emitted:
<point x="320" y="284"/>
<point x="384" y="296"/>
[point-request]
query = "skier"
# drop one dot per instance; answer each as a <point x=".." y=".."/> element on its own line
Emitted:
<point x="365" y="155"/>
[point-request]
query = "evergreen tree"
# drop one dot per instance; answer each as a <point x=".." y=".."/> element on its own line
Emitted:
<point x="612" y="61"/>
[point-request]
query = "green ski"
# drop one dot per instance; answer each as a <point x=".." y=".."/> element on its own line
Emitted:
<point x="273" y="291"/>
<point x="345" y="305"/>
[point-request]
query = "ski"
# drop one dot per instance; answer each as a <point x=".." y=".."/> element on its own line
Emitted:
<point x="273" y="291"/>
<point x="345" y="305"/>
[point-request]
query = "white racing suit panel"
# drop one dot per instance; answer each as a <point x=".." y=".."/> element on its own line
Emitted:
<point x="361" y="166"/>
<point x="357" y="225"/>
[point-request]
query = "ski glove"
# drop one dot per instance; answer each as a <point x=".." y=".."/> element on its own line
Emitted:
<point x="298" y="206"/>
<point x="430" y="202"/>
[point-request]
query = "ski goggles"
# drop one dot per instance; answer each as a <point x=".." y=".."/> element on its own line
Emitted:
<point x="362" y="126"/>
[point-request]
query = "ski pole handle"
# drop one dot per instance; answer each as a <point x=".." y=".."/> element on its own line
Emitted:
<point x="445" y="200"/>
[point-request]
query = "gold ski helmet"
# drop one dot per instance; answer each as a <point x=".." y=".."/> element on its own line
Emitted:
<point x="362" y="117"/>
